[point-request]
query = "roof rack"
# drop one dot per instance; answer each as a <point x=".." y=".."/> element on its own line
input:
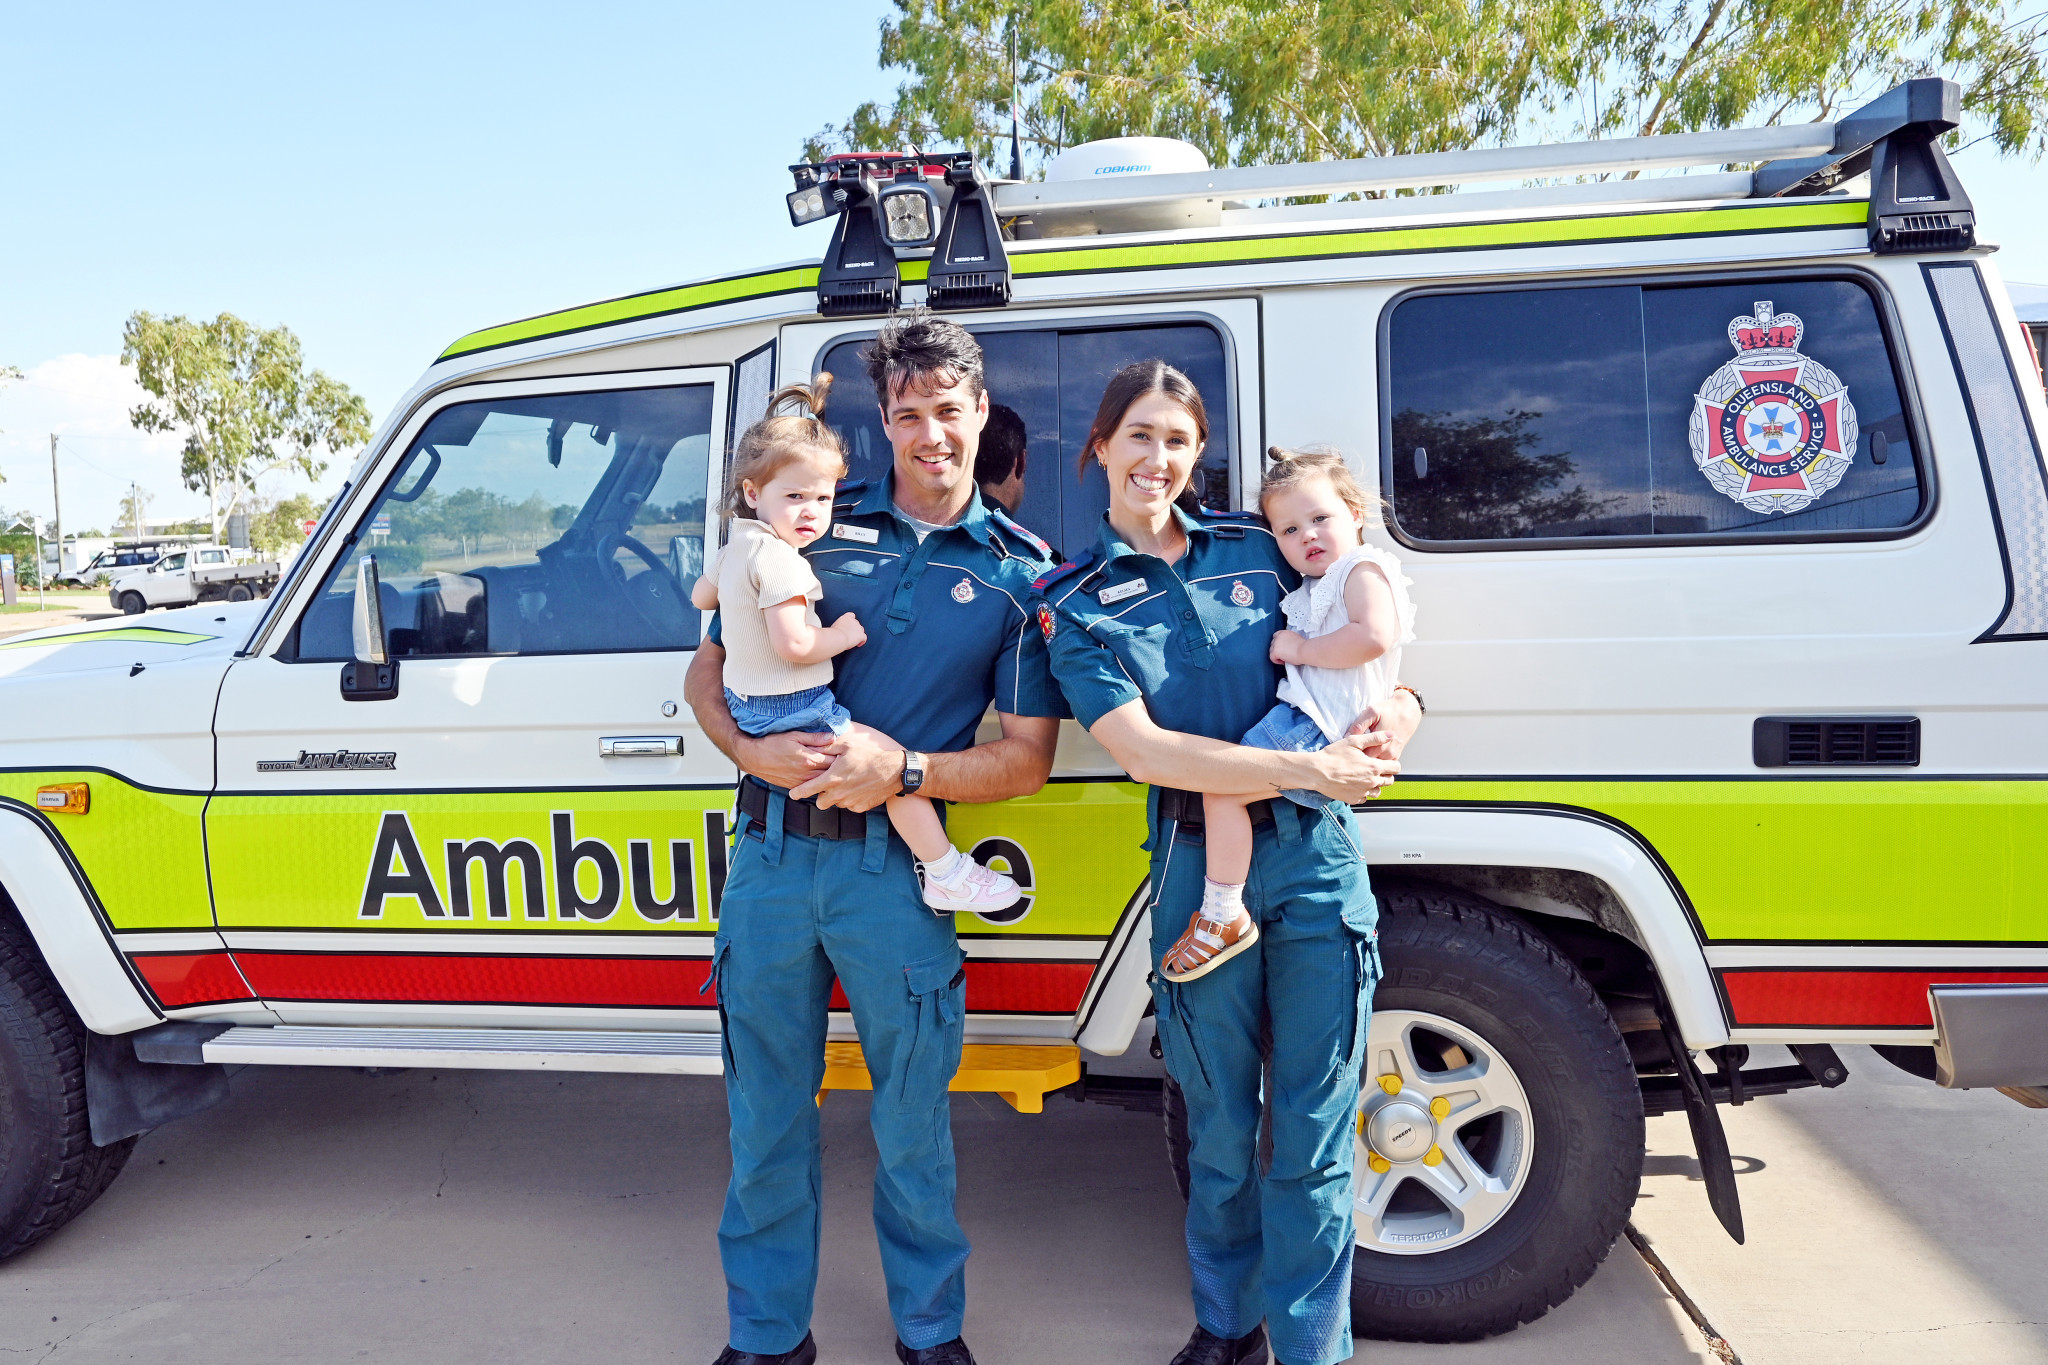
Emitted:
<point x="1917" y="203"/>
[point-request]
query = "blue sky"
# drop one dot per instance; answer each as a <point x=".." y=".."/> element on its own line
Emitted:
<point x="384" y="178"/>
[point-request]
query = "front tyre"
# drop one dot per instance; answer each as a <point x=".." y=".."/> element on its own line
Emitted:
<point x="49" y="1169"/>
<point x="1501" y="1133"/>
<point x="133" y="604"/>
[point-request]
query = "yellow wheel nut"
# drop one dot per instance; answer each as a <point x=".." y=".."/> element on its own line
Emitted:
<point x="1391" y="1084"/>
<point x="1434" y="1156"/>
<point x="1379" y="1164"/>
<point x="1440" y="1107"/>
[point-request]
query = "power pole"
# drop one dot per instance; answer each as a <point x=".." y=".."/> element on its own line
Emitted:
<point x="56" y="506"/>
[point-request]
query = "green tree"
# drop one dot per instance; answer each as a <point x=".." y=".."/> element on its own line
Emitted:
<point x="244" y="399"/>
<point x="1303" y="80"/>
<point x="134" y="504"/>
<point x="277" y="526"/>
<point x="1485" y="482"/>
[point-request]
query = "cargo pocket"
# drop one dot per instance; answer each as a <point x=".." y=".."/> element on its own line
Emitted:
<point x="1365" y="951"/>
<point x="937" y="989"/>
<point x="1184" y="1061"/>
<point x="721" y="953"/>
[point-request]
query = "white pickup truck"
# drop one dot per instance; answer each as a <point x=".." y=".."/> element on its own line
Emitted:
<point x="203" y="573"/>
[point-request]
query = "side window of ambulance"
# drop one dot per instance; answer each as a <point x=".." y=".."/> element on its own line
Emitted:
<point x="1578" y="414"/>
<point x="1050" y="381"/>
<point x="551" y="524"/>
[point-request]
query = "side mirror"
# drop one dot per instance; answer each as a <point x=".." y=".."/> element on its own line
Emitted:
<point x="374" y="675"/>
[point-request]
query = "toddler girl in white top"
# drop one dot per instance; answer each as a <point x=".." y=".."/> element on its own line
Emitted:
<point x="778" y="655"/>
<point x="1346" y="624"/>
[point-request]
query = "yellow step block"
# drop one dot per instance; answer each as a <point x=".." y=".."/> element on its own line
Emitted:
<point x="1021" y="1073"/>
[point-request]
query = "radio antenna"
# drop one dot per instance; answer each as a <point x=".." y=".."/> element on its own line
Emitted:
<point x="1016" y="144"/>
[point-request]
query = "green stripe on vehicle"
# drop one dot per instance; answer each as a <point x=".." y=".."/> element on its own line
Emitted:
<point x="681" y="299"/>
<point x="149" y="635"/>
<point x="1825" y="861"/>
<point x="1775" y="217"/>
<point x="1443" y="237"/>
<point x="140" y="850"/>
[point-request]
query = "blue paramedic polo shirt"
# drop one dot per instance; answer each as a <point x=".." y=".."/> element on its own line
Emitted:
<point x="948" y="620"/>
<point x="1192" y="639"/>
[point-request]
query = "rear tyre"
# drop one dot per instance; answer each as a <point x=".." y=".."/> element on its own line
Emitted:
<point x="240" y="593"/>
<point x="1539" y="1152"/>
<point x="49" y="1169"/>
<point x="132" y="604"/>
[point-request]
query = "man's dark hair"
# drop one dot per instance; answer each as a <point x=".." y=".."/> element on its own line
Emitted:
<point x="1002" y="445"/>
<point x="918" y="349"/>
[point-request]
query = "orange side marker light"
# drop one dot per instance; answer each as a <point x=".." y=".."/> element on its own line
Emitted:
<point x="64" y="798"/>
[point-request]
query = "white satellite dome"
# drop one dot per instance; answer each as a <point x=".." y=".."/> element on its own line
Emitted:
<point x="1128" y="156"/>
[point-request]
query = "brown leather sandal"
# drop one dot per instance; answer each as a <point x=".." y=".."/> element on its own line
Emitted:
<point x="1207" y="945"/>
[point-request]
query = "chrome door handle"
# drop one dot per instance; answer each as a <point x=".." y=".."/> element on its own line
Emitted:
<point x="640" y="746"/>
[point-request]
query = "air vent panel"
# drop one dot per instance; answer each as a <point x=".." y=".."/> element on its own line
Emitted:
<point x="1836" y="741"/>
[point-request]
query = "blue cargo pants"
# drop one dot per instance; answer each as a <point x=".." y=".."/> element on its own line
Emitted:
<point x="1273" y="1246"/>
<point x="796" y="912"/>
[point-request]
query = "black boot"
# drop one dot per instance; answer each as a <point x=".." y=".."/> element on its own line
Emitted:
<point x="1206" y="1348"/>
<point x="805" y="1353"/>
<point x="952" y="1352"/>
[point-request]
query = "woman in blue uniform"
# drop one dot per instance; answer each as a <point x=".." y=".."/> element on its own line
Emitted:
<point x="1159" y="635"/>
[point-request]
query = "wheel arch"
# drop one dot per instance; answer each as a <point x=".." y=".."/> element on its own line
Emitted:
<point x="42" y="887"/>
<point x="1554" y="863"/>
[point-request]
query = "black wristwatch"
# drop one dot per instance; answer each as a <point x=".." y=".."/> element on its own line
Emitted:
<point x="913" y="772"/>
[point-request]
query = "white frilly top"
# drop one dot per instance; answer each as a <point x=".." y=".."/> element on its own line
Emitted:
<point x="1335" y="697"/>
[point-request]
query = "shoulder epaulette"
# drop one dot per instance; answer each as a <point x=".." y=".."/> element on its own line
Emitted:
<point x="1066" y="570"/>
<point x="847" y="495"/>
<point x="1211" y="514"/>
<point x="1008" y="523"/>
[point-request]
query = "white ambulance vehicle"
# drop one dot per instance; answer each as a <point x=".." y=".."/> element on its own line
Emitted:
<point x="1724" y="500"/>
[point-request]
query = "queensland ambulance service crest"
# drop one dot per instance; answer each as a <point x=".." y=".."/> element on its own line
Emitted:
<point x="1045" y="622"/>
<point x="1773" y="429"/>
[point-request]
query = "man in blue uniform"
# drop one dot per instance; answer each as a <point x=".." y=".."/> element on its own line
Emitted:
<point x="820" y="886"/>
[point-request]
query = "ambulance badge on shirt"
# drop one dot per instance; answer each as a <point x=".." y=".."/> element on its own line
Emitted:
<point x="963" y="591"/>
<point x="1045" y="620"/>
<point x="1773" y="429"/>
<point x="1240" y="594"/>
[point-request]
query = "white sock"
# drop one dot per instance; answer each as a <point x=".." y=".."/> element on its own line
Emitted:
<point x="949" y="868"/>
<point x="1222" y="901"/>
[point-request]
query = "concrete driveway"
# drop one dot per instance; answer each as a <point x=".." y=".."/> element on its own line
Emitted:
<point x="513" y="1217"/>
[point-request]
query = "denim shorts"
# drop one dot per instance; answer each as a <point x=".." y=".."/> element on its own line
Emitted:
<point x="1288" y="730"/>
<point x="812" y="710"/>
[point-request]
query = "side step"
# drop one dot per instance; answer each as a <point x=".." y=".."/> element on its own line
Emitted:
<point x="1021" y="1073"/>
<point x="485" y="1049"/>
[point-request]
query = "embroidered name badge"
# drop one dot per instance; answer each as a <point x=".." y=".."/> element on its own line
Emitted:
<point x="963" y="591"/>
<point x="1045" y="621"/>
<point x="1240" y="594"/>
<point x="866" y="535"/>
<point x="1118" y="592"/>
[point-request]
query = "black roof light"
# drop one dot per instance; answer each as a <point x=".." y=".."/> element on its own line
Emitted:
<point x="891" y="203"/>
<point x="1917" y="202"/>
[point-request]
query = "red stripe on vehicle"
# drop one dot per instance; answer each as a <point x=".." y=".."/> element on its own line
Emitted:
<point x="1847" y="999"/>
<point x="512" y="979"/>
<point x="181" y="979"/>
<point x="996" y="987"/>
<point x="1005" y="987"/>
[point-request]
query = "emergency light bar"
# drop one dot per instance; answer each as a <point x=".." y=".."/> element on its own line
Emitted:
<point x="887" y="204"/>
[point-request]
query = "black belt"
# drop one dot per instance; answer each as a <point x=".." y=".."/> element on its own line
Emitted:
<point x="1185" y="808"/>
<point x="805" y="817"/>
